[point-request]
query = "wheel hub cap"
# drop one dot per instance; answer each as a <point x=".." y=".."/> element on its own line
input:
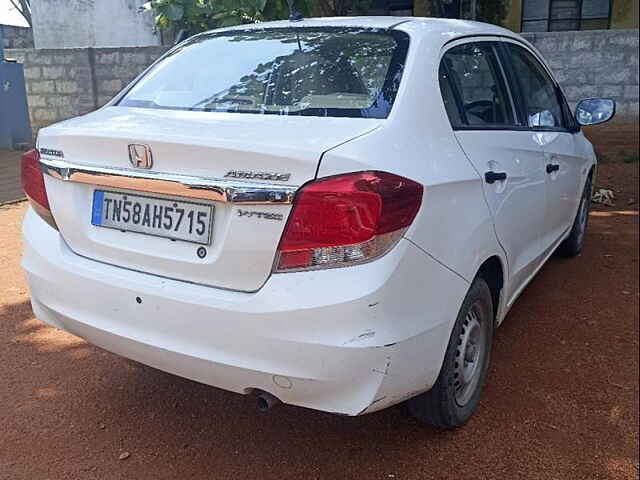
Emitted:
<point x="469" y="357"/>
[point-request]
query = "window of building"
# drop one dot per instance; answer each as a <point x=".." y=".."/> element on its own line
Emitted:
<point x="555" y="15"/>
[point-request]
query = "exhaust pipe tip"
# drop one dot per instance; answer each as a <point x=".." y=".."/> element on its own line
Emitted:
<point x="265" y="401"/>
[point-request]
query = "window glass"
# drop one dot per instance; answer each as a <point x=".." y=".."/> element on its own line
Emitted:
<point x="595" y="24"/>
<point x="472" y="72"/>
<point x="538" y="92"/>
<point x="319" y="71"/>
<point x="449" y="98"/>
<point x="563" y="25"/>
<point x="535" y="25"/>
<point x="535" y="9"/>
<point x="565" y="12"/>
<point x="595" y="9"/>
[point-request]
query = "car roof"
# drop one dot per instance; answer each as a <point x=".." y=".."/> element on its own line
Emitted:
<point x="421" y="26"/>
<point x="367" y="22"/>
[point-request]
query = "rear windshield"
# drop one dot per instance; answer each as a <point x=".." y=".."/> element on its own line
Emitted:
<point x="338" y="72"/>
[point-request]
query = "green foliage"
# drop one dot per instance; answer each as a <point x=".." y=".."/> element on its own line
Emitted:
<point x="492" y="11"/>
<point x="195" y="16"/>
<point x="339" y="8"/>
<point x="630" y="157"/>
<point x="198" y="15"/>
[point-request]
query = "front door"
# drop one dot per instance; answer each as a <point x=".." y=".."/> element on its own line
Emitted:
<point x="547" y="114"/>
<point x="565" y="173"/>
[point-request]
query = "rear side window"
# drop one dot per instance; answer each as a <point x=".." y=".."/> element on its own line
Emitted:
<point x="538" y="93"/>
<point x="449" y="98"/>
<point x="473" y="87"/>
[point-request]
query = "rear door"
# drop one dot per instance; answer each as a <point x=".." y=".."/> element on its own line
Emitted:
<point x="546" y="113"/>
<point x="507" y="156"/>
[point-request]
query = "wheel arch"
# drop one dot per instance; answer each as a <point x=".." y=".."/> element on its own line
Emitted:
<point x="492" y="271"/>
<point x="591" y="176"/>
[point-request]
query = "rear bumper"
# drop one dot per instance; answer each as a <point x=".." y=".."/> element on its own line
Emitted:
<point x="348" y="341"/>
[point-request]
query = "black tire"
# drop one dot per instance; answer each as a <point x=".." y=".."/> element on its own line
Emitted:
<point x="444" y="406"/>
<point x="572" y="245"/>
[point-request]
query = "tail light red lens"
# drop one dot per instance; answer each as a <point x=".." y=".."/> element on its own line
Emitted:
<point x="347" y="219"/>
<point x="34" y="187"/>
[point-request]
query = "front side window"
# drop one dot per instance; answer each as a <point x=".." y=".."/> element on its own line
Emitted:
<point x="473" y="87"/>
<point x="537" y="91"/>
<point x="351" y="72"/>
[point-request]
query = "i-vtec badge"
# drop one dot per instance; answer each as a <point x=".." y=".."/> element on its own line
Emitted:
<point x="264" y="215"/>
<point x="249" y="175"/>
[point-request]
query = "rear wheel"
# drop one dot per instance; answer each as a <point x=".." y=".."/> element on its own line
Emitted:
<point x="572" y="245"/>
<point x="456" y="393"/>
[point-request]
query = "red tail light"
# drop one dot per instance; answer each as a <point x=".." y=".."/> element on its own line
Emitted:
<point x="347" y="219"/>
<point x="33" y="186"/>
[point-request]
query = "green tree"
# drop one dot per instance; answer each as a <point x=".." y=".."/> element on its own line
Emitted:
<point x="490" y="11"/>
<point x="193" y="16"/>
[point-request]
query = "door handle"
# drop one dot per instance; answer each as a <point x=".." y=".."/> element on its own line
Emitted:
<point x="552" y="167"/>
<point x="493" y="177"/>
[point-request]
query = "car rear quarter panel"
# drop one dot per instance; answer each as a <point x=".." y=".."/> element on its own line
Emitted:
<point x="454" y="225"/>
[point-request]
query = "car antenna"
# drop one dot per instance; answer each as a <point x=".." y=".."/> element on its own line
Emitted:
<point x="294" y="15"/>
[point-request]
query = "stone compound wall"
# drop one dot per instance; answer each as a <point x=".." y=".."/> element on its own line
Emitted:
<point x="17" y="37"/>
<point x="63" y="83"/>
<point x="595" y="63"/>
<point x="67" y="82"/>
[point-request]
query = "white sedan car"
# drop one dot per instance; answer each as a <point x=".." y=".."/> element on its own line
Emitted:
<point x="331" y="213"/>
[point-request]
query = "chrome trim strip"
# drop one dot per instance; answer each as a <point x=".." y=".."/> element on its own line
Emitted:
<point x="202" y="188"/>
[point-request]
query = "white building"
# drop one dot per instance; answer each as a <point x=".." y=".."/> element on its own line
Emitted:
<point x="92" y="23"/>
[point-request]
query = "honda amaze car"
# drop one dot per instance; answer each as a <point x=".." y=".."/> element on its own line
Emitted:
<point x="331" y="213"/>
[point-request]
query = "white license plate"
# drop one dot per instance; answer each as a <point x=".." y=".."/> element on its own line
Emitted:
<point x="173" y="219"/>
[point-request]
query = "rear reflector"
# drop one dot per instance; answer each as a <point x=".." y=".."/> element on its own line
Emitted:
<point x="347" y="219"/>
<point x="34" y="188"/>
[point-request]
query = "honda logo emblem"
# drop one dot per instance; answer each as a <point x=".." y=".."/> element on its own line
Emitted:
<point x="140" y="156"/>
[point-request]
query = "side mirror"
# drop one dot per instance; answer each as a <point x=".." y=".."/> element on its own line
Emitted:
<point x="593" y="111"/>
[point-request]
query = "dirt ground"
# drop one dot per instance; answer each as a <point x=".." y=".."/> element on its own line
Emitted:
<point x="10" y="186"/>
<point x="561" y="400"/>
<point x="614" y="141"/>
